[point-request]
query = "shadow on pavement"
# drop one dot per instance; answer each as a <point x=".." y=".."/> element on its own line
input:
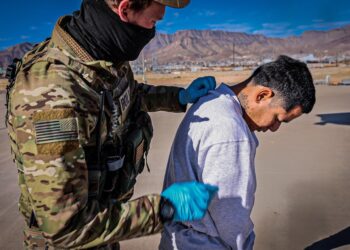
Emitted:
<point x="334" y="118"/>
<point x="339" y="239"/>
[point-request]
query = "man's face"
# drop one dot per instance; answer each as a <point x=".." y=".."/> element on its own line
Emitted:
<point x="148" y="17"/>
<point x="268" y="114"/>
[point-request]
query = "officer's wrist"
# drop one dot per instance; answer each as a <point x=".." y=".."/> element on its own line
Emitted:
<point x="166" y="210"/>
<point x="183" y="97"/>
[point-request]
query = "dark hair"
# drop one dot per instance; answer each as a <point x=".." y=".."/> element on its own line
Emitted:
<point x="291" y="79"/>
<point x="136" y="5"/>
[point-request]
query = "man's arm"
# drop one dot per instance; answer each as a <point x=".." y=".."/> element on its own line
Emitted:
<point x="160" y="98"/>
<point x="166" y="98"/>
<point x="229" y="165"/>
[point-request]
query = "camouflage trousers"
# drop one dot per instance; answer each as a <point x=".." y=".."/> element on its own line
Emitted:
<point x="33" y="240"/>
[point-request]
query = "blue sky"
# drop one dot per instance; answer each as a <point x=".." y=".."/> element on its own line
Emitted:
<point x="33" y="20"/>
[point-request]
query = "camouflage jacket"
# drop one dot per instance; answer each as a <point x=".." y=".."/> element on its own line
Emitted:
<point x="53" y="115"/>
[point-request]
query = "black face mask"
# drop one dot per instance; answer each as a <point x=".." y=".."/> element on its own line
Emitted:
<point x="104" y="35"/>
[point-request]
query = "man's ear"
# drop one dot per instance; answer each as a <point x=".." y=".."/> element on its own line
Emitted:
<point x="122" y="10"/>
<point x="264" y="94"/>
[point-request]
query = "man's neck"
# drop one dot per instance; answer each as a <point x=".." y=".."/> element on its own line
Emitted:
<point x="239" y="89"/>
<point x="242" y="92"/>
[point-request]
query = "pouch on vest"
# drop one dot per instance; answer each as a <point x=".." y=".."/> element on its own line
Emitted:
<point x="114" y="162"/>
<point x="134" y="159"/>
<point x="96" y="173"/>
<point x="137" y="144"/>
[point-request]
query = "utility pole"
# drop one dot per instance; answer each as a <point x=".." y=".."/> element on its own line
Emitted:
<point x="154" y="62"/>
<point x="233" y="54"/>
<point x="143" y="68"/>
<point x="336" y="60"/>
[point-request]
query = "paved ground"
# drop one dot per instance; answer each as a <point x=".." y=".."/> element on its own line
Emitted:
<point x="303" y="174"/>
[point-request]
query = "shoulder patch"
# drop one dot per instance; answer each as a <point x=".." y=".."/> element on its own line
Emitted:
<point x="55" y="126"/>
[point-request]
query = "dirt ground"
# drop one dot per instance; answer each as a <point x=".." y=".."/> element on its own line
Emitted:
<point x="303" y="174"/>
<point x="184" y="78"/>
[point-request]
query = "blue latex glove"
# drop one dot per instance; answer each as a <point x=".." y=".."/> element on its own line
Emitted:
<point x="197" y="89"/>
<point x="190" y="199"/>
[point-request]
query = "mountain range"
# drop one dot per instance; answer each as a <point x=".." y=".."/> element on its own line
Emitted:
<point x="195" y="46"/>
<point x="216" y="46"/>
<point x="17" y="51"/>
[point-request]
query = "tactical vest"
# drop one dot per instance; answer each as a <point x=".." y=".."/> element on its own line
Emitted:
<point x="121" y="156"/>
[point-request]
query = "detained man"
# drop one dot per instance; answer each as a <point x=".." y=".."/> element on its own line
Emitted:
<point x="216" y="144"/>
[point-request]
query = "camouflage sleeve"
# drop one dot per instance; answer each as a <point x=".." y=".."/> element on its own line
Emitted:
<point x="51" y="119"/>
<point x="160" y="98"/>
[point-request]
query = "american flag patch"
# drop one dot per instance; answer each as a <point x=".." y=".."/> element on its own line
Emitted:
<point x="56" y="130"/>
<point x="139" y="152"/>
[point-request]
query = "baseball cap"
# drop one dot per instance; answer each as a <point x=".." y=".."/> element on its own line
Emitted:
<point x="174" y="3"/>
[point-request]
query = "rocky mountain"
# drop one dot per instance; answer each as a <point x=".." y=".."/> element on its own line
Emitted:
<point x="193" y="46"/>
<point x="214" y="46"/>
<point x="17" y="51"/>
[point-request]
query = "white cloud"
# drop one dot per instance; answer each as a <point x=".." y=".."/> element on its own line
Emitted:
<point x="176" y="14"/>
<point x="24" y="37"/>
<point x="274" y="33"/>
<point x="231" y="27"/>
<point x="206" y="13"/>
<point x="33" y="28"/>
<point x="275" y="30"/>
<point x="275" y="26"/>
<point x="169" y="24"/>
<point x="162" y="31"/>
<point x="4" y="39"/>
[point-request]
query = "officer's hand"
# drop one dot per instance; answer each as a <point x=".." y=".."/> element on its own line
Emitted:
<point x="197" y="89"/>
<point x="190" y="199"/>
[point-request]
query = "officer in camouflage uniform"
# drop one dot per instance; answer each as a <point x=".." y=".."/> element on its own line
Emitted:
<point x="80" y="133"/>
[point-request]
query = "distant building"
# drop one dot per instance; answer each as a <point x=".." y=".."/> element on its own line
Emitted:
<point x="238" y="68"/>
<point x="329" y="59"/>
<point x="266" y="60"/>
<point x="325" y="81"/>
<point x="309" y="59"/>
<point x="194" y="69"/>
<point x="345" y="82"/>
